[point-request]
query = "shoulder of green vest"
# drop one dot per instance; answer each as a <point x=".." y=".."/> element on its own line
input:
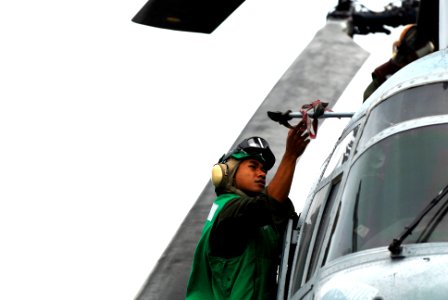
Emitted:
<point x="225" y="198"/>
<point x="219" y="203"/>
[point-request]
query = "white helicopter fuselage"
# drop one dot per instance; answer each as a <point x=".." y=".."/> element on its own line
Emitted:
<point x="388" y="164"/>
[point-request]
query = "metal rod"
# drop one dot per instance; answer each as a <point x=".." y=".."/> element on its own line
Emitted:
<point x="325" y="115"/>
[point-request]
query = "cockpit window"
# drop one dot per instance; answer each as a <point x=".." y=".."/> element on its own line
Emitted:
<point x="388" y="186"/>
<point x="307" y="230"/>
<point x="342" y="152"/>
<point x="421" y="101"/>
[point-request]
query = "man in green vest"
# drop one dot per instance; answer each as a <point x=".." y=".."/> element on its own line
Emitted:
<point x="238" y="253"/>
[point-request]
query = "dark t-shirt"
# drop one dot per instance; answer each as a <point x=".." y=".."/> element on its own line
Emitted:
<point x="241" y="218"/>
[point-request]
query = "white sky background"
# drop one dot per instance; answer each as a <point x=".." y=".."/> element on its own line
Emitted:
<point x="109" y="129"/>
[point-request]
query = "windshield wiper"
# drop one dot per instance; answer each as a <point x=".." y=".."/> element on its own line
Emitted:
<point x="395" y="247"/>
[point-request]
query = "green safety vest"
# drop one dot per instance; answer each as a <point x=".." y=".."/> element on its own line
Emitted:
<point x="249" y="276"/>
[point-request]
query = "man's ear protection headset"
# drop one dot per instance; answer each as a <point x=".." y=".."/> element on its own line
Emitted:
<point x="218" y="173"/>
<point x="255" y="147"/>
<point x="221" y="171"/>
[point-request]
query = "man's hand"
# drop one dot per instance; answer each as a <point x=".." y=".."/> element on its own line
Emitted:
<point x="297" y="141"/>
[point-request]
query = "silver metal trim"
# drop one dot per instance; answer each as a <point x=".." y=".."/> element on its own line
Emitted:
<point x="443" y="24"/>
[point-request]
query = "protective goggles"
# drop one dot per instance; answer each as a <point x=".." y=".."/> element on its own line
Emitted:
<point x="256" y="147"/>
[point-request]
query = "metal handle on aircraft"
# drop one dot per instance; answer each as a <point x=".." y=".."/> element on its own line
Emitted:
<point x="325" y="115"/>
<point x="283" y="118"/>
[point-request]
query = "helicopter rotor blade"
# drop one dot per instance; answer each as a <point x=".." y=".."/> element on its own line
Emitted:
<point x="201" y="16"/>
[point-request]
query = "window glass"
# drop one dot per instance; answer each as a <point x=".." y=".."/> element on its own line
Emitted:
<point x="421" y="101"/>
<point x="306" y="234"/>
<point x="388" y="186"/>
<point x="342" y="152"/>
<point x="323" y="226"/>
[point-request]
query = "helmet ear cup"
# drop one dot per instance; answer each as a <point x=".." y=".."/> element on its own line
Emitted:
<point x="219" y="171"/>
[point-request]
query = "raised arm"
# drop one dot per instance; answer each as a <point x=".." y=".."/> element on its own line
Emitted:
<point x="296" y="143"/>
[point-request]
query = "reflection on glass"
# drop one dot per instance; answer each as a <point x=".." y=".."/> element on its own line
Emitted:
<point x="341" y="153"/>
<point x="421" y="101"/>
<point x="306" y="234"/>
<point x="323" y="227"/>
<point x="388" y="186"/>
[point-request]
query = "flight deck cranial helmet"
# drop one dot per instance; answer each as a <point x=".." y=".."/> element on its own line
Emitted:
<point x="410" y="47"/>
<point x="253" y="147"/>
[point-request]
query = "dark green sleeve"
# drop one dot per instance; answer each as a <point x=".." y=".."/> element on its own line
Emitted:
<point x="240" y="218"/>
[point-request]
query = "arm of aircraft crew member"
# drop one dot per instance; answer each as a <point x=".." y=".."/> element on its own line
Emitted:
<point x="296" y="143"/>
